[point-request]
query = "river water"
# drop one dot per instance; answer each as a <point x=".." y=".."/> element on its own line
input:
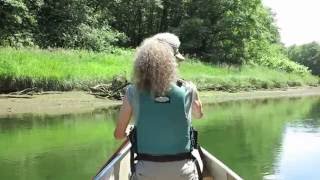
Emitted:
<point x="271" y="139"/>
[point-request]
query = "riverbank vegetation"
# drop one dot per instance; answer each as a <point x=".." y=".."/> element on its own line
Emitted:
<point x="79" y="69"/>
<point x="234" y="44"/>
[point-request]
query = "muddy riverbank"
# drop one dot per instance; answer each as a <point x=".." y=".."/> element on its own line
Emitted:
<point x="79" y="101"/>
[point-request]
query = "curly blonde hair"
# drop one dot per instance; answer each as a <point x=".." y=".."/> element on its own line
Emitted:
<point x="155" y="67"/>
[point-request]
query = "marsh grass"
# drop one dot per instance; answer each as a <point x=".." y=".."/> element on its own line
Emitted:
<point x="60" y="69"/>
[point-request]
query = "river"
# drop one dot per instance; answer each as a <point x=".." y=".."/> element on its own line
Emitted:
<point x="272" y="138"/>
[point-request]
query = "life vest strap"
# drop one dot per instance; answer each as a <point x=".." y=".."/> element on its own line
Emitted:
<point x="164" y="158"/>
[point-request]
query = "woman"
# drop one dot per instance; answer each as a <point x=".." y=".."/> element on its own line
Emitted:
<point x="162" y="110"/>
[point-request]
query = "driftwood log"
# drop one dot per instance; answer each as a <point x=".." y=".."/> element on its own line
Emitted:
<point x="113" y="90"/>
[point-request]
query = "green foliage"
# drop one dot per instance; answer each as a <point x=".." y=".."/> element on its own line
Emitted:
<point x="308" y="55"/>
<point x="271" y="55"/>
<point x="73" y="24"/>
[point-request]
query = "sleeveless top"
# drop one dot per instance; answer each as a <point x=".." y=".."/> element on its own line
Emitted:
<point x="162" y="123"/>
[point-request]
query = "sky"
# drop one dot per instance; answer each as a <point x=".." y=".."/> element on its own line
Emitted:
<point x="298" y="20"/>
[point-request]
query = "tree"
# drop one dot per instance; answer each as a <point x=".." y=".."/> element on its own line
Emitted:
<point x="139" y="19"/>
<point x="16" y="23"/>
<point x="74" y="24"/>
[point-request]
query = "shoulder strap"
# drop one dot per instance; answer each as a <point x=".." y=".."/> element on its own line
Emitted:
<point x="195" y="145"/>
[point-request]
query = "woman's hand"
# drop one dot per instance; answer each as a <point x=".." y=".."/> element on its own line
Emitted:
<point x="123" y="119"/>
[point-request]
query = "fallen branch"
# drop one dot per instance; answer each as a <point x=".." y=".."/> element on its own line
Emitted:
<point x="27" y="91"/>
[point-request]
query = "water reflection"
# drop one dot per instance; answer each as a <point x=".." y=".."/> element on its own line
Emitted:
<point x="300" y="155"/>
<point x="55" y="147"/>
<point x="249" y="135"/>
<point x="275" y="139"/>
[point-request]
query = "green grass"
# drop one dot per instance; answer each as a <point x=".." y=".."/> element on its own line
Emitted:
<point x="245" y="78"/>
<point x="60" y="69"/>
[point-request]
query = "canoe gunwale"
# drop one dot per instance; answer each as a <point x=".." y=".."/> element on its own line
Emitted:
<point x="114" y="159"/>
<point x="230" y="173"/>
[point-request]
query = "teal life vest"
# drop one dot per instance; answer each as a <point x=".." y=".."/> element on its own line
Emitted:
<point x="162" y="124"/>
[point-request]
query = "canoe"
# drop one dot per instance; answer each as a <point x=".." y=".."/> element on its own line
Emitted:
<point x="118" y="166"/>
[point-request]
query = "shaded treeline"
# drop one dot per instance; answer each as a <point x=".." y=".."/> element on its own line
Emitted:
<point x="306" y="54"/>
<point x="218" y="31"/>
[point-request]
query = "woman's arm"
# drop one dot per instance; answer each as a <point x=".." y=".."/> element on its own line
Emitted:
<point x="197" y="111"/>
<point x="123" y="119"/>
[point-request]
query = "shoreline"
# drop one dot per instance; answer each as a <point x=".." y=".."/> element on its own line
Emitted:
<point x="58" y="103"/>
